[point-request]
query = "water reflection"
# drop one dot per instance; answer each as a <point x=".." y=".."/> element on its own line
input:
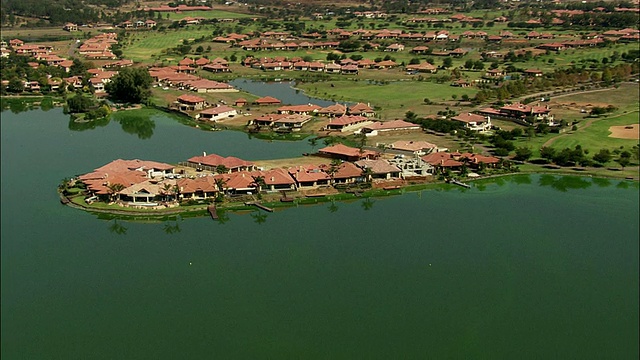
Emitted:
<point x="333" y="207"/>
<point x="136" y="122"/>
<point x="367" y="204"/>
<point x="521" y="179"/>
<point x="623" y="185"/>
<point x="117" y="228"/>
<point x="259" y="217"/>
<point x="564" y="183"/>
<point x="601" y="182"/>
<point x="87" y="125"/>
<point x="172" y="228"/>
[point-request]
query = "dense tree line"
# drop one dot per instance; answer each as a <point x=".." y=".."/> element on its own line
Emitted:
<point x="56" y="13"/>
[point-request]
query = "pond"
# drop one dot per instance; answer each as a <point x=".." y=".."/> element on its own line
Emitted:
<point x="522" y="267"/>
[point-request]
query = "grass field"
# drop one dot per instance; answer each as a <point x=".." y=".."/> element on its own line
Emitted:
<point x="142" y="46"/>
<point x="214" y="14"/>
<point x="44" y="34"/>
<point x="596" y="136"/>
<point x="403" y="95"/>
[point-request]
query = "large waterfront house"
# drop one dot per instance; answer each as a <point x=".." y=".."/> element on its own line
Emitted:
<point x="187" y="102"/>
<point x="379" y="169"/>
<point x="347" y="123"/>
<point x="216" y="163"/>
<point x="216" y="113"/>
<point x="309" y="176"/>
<point x="414" y="147"/>
<point x="347" y="153"/>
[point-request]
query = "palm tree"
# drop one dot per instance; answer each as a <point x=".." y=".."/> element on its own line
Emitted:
<point x="114" y="189"/>
<point x="166" y="188"/>
<point x="220" y="184"/>
<point x="221" y="169"/>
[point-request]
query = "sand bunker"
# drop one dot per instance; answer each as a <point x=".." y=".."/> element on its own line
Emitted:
<point x="625" y="131"/>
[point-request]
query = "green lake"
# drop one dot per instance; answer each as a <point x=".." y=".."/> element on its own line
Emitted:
<point x="520" y="267"/>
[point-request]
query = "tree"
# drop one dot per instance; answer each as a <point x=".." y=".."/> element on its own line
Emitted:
<point x="114" y="189"/>
<point x="547" y="153"/>
<point x="313" y="142"/>
<point x="523" y="153"/>
<point x="625" y="159"/>
<point x="603" y="156"/>
<point x="447" y="62"/>
<point x="221" y="169"/>
<point x="15" y="85"/>
<point x="130" y="85"/>
<point x="79" y="104"/>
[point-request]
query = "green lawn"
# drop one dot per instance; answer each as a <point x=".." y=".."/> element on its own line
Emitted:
<point x="143" y="45"/>
<point x="596" y="136"/>
<point x="213" y="14"/>
<point x="399" y="94"/>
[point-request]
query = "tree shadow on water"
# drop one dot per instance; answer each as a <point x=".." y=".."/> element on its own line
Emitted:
<point x="564" y="183"/>
<point x="136" y="123"/>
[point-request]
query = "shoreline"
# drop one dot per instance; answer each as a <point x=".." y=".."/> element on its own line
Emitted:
<point x="201" y="209"/>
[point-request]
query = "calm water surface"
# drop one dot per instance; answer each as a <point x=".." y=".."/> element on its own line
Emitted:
<point x="525" y="267"/>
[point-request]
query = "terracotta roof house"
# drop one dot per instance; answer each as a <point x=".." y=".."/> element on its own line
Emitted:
<point x="202" y="61"/>
<point x="392" y="125"/>
<point x="415" y="147"/>
<point x="188" y="102"/>
<point x="186" y="62"/>
<point x="351" y="69"/>
<point x="70" y="27"/>
<point x="475" y="160"/>
<point x="292" y="121"/>
<point x="474" y="122"/>
<point x="299" y="109"/>
<point x="124" y="172"/>
<point x="332" y="68"/>
<point x="208" y="86"/>
<point x="361" y="109"/>
<point x="347" y="153"/>
<point x="216" y="113"/>
<point x="240" y="102"/>
<point x="216" y="68"/>
<point x="442" y="160"/>
<point x="347" y="123"/>
<point x="366" y="63"/>
<point x="394" y="47"/>
<point x="211" y="162"/>
<point x="346" y="173"/>
<point x="420" y="49"/>
<point x="267" y="100"/>
<point x="267" y="119"/>
<point x="533" y="72"/>
<point x="333" y="110"/>
<point x="241" y="182"/>
<point x="380" y="169"/>
<point x="276" y="179"/>
<point x="386" y="64"/>
<point x="423" y="67"/>
<point x="309" y="176"/>
<point x="199" y="188"/>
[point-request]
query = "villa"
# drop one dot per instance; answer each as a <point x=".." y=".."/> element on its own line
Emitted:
<point x="474" y="122"/>
<point x="216" y="113"/>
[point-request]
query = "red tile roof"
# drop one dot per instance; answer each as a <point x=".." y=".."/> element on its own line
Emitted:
<point x="190" y="99"/>
<point x="267" y="100"/>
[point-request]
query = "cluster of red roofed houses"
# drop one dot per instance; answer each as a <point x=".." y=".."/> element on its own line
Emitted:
<point x="141" y="183"/>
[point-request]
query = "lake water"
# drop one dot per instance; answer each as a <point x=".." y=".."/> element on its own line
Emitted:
<point x="523" y="267"/>
<point x="284" y="90"/>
